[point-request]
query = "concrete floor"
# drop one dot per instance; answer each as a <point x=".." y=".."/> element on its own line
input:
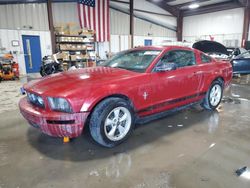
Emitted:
<point x="192" y="148"/>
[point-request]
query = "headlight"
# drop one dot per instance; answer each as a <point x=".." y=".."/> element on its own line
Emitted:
<point x="40" y="101"/>
<point x="59" y="104"/>
<point x="35" y="99"/>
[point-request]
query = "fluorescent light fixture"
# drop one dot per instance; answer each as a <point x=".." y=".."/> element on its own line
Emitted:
<point x="194" y="6"/>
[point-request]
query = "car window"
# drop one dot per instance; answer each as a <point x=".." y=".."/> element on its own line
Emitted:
<point x="135" y="60"/>
<point x="244" y="55"/>
<point x="242" y="50"/>
<point x="205" y="58"/>
<point x="181" y="58"/>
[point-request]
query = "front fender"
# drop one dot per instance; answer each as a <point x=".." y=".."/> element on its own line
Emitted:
<point x="90" y="103"/>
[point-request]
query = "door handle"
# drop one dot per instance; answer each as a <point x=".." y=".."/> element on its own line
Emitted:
<point x="198" y="72"/>
<point x="195" y="73"/>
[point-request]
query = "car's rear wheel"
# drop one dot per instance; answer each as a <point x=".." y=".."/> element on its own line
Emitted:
<point x="111" y="122"/>
<point x="213" y="96"/>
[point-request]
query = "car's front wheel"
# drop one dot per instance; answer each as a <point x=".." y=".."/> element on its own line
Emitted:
<point x="111" y="122"/>
<point x="213" y="96"/>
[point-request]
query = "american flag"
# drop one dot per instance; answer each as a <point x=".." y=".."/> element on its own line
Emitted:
<point x="94" y="14"/>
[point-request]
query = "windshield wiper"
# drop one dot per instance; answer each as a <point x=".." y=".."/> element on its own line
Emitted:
<point x="134" y="69"/>
<point x="126" y="68"/>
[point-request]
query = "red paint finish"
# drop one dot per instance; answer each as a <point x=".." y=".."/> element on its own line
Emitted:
<point x="85" y="88"/>
<point x="38" y="118"/>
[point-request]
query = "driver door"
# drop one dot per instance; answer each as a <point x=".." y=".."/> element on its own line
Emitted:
<point x="175" y="87"/>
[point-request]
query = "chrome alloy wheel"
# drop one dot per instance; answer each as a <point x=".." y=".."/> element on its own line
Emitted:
<point x="117" y="123"/>
<point x="215" y="95"/>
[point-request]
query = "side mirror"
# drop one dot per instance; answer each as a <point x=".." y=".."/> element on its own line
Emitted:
<point x="166" y="67"/>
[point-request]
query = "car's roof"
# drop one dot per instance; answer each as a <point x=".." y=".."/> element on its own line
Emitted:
<point x="161" y="47"/>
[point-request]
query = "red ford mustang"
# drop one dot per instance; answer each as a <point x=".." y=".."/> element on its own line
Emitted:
<point x="136" y="85"/>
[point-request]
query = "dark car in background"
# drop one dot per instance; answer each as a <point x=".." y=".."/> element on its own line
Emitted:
<point x="241" y="63"/>
<point x="239" y="57"/>
<point x="236" y="51"/>
<point x="212" y="48"/>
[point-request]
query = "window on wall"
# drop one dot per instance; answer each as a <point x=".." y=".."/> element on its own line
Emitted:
<point x="181" y="58"/>
<point x="205" y="58"/>
<point x="147" y="42"/>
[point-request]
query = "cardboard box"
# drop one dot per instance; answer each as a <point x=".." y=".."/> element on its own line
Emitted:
<point x="61" y="29"/>
<point x="73" y="28"/>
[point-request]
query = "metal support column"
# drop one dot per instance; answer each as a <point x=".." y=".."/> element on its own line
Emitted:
<point x="131" y="14"/>
<point x="179" y="26"/>
<point x="51" y="26"/>
<point x="245" y="26"/>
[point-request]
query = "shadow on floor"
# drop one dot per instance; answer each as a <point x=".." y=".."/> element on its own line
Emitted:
<point x="83" y="148"/>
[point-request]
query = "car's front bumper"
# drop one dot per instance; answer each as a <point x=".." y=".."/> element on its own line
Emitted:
<point x="58" y="124"/>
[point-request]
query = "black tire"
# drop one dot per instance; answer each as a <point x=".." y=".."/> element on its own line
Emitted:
<point x="98" y="117"/>
<point x="206" y="103"/>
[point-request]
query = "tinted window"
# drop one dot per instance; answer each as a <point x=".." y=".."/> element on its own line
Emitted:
<point x="182" y="58"/>
<point x="205" y="58"/>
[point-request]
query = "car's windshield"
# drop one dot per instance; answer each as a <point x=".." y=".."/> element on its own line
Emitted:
<point x="136" y="60"/>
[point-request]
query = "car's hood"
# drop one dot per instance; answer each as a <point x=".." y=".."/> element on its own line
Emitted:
<point x="65" y="83"/>
<point x="210" y="47"/>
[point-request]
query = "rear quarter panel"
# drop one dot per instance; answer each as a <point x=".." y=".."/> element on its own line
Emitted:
<point x="217" y="69"/>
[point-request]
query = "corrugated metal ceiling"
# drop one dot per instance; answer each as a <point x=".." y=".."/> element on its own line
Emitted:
<point x="183" y="4"/>
<point x="172" y="2"/>
<point x="33" y="1"/>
